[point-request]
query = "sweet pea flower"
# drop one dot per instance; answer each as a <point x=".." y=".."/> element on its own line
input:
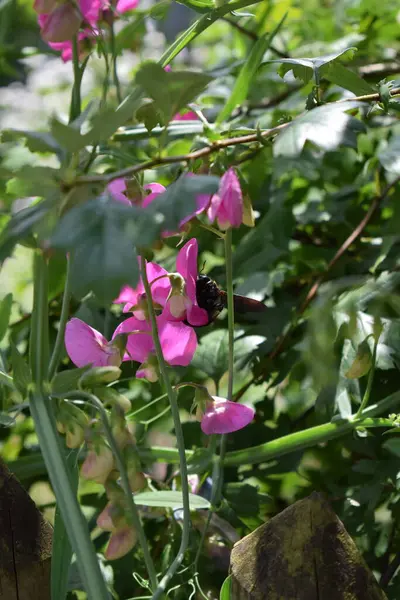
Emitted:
<point x="98" y="463"/>
<point x="86" y="345"/>
<point x="134" y="299"/>
<point x="186" y="265"/>
<point x="178" y="342"/>
<point x="224" y="416"/>
<point x="61" y="24"/>
<point x="118" y="190"/>
<point x="227" y="204"/>
<point x="120" y="543"/>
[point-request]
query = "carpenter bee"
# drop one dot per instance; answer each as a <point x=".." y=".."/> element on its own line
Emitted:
<point x="210" y="297"/>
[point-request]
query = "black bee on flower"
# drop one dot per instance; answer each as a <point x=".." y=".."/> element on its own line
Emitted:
<point x="212" y="299"/>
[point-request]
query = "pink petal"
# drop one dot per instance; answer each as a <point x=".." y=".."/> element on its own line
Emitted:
<point x="187" y="116"/>
<point x="86" y="345"/>
<point x="120" y="543"/>
<point x="160" y="289"/>
<point x="186" y="265"/>
<point x="156" y="189"/>
<point x="61" y="24"/>
<point x="91" y="10"/>
<point x="124" y="6"/>
<point x="139" y="345"/>
<point x="232" y="199"/>
<point x="178" y="342"/>
<point x="224" y="416"/>
<point x="117" y="187"/>
<point x="214" y="207"/>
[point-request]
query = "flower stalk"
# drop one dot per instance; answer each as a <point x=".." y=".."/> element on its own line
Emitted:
<point x="172" y="397"/>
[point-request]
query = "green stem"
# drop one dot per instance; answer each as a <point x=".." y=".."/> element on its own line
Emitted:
<point x="218" y="469"/>
<point x="367" y="393"/>
<point x="59" y="345"/>
<point x="172" y="397"/>
<point x="114" y="63"/>
<point x="125" y="484"/>
<point x="39" y="334"/>
<point x="231" y="310"/>
<point x="50" y="444"/>
<point x="75" y="108"/>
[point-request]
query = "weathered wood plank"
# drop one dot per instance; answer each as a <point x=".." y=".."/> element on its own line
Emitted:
<point x="25" y="543"/>
<point x="304" y="553"/>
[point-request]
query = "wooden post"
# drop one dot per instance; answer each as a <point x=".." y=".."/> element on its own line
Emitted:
<point x="304" y="553"/>
<point x="25" y="543"/>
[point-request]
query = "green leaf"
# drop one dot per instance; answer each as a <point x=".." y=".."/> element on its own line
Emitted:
<point x="21" y="371"/>
<point x="393" y="446"/>
<point x="179" y="199"/>
<point x="248" y="72"/>
<point x="5" y="313"/>
<point x="101" y="235"/>
<point x="305" y="68"/>
<point x="339" y="74"/>
<point x="326" y="126"/>
<point x="390" y="156"/>
<point x="225" y="593"/>
<point x="201" y="6"/>
<point x="6" y="420"/>
<point x="362" y="362"/>
<point x="61" y="550"/>
<point x="170" y="500"/>
<point x="6" y="380"/>
<point x="67" y="136"/>
<point x="36" y="141"/>
<point x="20" y="227"/>
<point x="212" y="354"/>
<point x="172" y="90"/>
<point x="66" y="381"/>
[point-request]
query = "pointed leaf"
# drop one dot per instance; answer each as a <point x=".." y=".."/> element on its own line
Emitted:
<point x="326" y="126"/>
<point x="170" y="500"/>
<point x="5" y="313"/>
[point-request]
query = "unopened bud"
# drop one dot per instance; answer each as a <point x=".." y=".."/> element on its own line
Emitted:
<point x="98" y="464"/>
<point x="98" y="375"/>
<point x="120" y="543"/>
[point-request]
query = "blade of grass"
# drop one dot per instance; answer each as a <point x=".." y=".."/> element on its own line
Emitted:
<point x="199" y="26"/>
<point x="62" y="551"/>
<point x="248" y="72"/>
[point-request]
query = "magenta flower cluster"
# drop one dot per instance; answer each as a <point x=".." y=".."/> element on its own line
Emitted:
<point x="61" y="21"/>
<point x="174" y="296"/>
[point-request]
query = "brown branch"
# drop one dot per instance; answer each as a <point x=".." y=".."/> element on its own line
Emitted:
<point x="207" y="150"/>
<point x="345" y="246"/>
<point x="280" y="345"/>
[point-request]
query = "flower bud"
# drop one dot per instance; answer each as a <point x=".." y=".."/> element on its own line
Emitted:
<point x="110" y="397"/>
<point x="98" y="464"/>
<point x="61" y="24"/>
<point x="112" y="517"/>
<point x="72" y="422"/>
<point x="136" y="478"/>
<point x="120" y="543"/>
<point x="98" y="375"/>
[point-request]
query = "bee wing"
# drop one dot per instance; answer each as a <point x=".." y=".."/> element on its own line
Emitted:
<point x="243" y="304"/>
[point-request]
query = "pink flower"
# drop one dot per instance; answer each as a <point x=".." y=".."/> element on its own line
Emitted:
<point x="85" y="39"/>
<point x="224" y="416"/>
<point x="188" y="115"/>
<point x="227" y="205"/>
<point x="124" y="6"/>
<point x="118" y="189"/>
<point x="61" y="24"/>
<point x="186" y="265"/>
<point x="120" y="543"/>
<point x="159" y="291"/>
<point x="178" y="343"/>
<point x="86" y="345"/>
<point x="98" y="464"/>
